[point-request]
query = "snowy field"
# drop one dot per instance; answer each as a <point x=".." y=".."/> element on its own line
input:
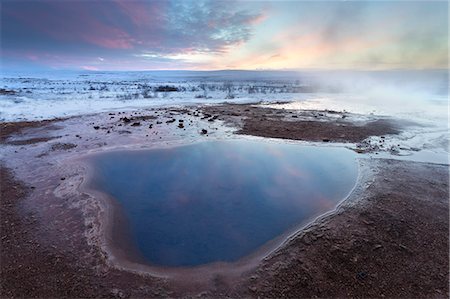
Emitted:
<point x="419" y="97"/>
<point x="36" y="96"/>
<point x="44" y="96"/>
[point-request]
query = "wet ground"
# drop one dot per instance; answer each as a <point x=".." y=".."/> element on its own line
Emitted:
<point x="389" y="238"/>
<point x="321" y="126"/>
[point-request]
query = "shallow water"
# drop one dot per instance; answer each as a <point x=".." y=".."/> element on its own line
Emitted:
<point x="220" y="201"/>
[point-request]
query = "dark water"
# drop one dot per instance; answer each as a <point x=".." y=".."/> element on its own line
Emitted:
<point x="220" y="201"/>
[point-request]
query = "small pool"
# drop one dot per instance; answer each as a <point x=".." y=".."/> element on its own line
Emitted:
<point x="220" y="201"/>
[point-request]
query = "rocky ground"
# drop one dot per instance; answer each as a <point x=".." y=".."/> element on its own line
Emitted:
<point x="388" y="239"/>
<point x="322" y="126"/>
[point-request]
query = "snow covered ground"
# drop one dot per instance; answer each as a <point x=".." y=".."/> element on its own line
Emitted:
<point x="47" y="95"/>
<point x="416" y="96"/>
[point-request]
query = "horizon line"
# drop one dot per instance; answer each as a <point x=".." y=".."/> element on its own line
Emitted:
<point x="232" y="70"/>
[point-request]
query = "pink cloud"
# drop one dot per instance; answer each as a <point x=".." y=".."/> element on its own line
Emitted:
<point x="89" y="68"/>
<point x="110" y="38"/>
<point x="138" y="12"/>
<point x="32" y="57"/>
<point x="258" y="19"/>
<point x="82" y="31"/>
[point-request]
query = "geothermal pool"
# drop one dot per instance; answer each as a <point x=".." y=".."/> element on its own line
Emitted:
<point x="220" y="200"/>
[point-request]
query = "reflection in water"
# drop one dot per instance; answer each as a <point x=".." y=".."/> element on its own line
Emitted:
<point x="220" y="201"/>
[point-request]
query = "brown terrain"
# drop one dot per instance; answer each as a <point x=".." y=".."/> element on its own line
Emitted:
<point x="10" y="128"/>
<point x="388" y="239"/>
<point x="301" y="125"/>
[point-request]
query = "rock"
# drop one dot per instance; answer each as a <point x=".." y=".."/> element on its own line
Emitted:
<point x="135" y="124"/>
<point x="170" y="121"/>
<point x="306" y="240"/>
<point x="367" y="222"/>
<point x="126" y="119"/>
<point x="7" y="92"/>
<point x="117" y="293"/>
<point x="403" y="247"/>
<point x="62" y="146"/>
<point x="166" y="88"/>
<point x="204" y="131"/>
<point x="326" y="140"/>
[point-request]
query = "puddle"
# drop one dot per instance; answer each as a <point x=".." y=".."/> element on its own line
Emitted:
<point x="222" y="200"/>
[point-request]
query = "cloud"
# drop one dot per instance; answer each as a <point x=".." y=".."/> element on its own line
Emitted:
<point x="363" y="35"/>
<point x="139" y="12"/>
<point x="89" y="68"/>
<point x="197" y="26"/>
<point x="61" y="25"/>
<point x="387" y="35"/>
<point x="154" y="26"/>
<point x="223" y="34"/>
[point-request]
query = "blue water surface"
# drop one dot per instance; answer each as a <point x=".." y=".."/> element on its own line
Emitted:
<point x="220" y="201"/>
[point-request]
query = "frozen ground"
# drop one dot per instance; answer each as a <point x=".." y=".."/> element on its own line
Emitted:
<point x="59" y="94"/>
<point x="420" y="97"/>
<point x="426" y="140"/>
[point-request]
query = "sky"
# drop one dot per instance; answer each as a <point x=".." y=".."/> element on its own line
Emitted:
<point x="216" y="35"/>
